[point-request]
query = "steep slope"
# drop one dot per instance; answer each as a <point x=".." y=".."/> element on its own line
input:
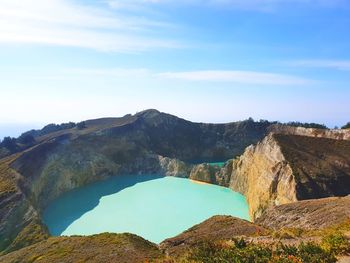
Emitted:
<point x="17" y="214"/>
<point x="286" y="168"/>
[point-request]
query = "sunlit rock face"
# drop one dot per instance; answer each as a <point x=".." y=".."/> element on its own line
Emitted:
<point x="263" y="176"/>
<point x="286" y="168"/>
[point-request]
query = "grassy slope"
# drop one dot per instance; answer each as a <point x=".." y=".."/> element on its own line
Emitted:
<point x="97" y="248"/>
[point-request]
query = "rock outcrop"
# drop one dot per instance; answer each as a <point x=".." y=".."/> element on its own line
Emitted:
<point x="285" y="168"/>
<point x="264" y="176"/>
<point x="204" y="173"/>
<point x="174" y="167"/>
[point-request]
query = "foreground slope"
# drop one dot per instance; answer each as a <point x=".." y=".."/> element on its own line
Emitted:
<point x="217" y="228"/>
<point x="123" y="248"/>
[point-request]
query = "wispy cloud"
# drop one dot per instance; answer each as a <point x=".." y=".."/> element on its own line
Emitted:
<point x="257" y="5"/>
<point x="331" y="64"/>
<point x="219" y="76"/>
<point x="243" y="77"/>
<point x="64" y="23"/>
<point x="208" y="76"/>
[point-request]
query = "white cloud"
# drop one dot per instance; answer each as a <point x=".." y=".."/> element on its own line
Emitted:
<point x="244" y="77"/>
<point x="234" y="76"/>
<point x="142" y="74"/>
<point x="258" y="5"/>
<point x="63" y="23"/>
<point x="331" y="64"/>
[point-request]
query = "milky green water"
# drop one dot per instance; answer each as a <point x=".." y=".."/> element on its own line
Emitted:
<point x="150" y="206"/>
<point x="220" y="164"/>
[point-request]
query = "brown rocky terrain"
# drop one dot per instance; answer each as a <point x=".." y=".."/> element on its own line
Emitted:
<point x="309" y="214"/>
<point x="289" y="224"/>
<point x="217" y="228"/>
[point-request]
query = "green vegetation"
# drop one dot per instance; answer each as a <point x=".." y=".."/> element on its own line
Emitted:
<point x="81" y="125"/>
<point x="27" y="139"/>
<point x="9" y="143"/>
<point x="104" y="247"/>
<point x="335" y="243"/>
<point x="307" y="125"/>
<point x="346" y="126"/>
<point x="49" y="129"/>
<point x="7" y="177"/>
<point x="239" y="251"/>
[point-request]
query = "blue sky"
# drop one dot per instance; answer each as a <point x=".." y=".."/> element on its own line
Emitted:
<point x="204" y="60"/>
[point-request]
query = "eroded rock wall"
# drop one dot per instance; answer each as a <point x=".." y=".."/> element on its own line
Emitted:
<point x="264" y="176"/>
<point x="292" y="164"/>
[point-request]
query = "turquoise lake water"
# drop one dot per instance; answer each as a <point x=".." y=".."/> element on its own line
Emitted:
<point x="150" y="206"/>
<point x="220" y="164"/>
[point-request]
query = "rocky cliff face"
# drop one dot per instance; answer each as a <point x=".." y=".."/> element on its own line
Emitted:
<point x="264" y="176"/>
<point x="285" y="168"/>
<point x="212" y="174"/>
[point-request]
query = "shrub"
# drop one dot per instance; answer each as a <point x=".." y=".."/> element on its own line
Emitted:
<point x="307" y="125"/>
<point x="346" y="126"/>
<point x="81" y="125"/>
<point x="288" y="233"/>
<point x="9" y="143"/>
<point x="335" y="243"/>
<point x="26" y="139"/>
<point x="313" y="253"/>
<point x="243" y="252"/>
